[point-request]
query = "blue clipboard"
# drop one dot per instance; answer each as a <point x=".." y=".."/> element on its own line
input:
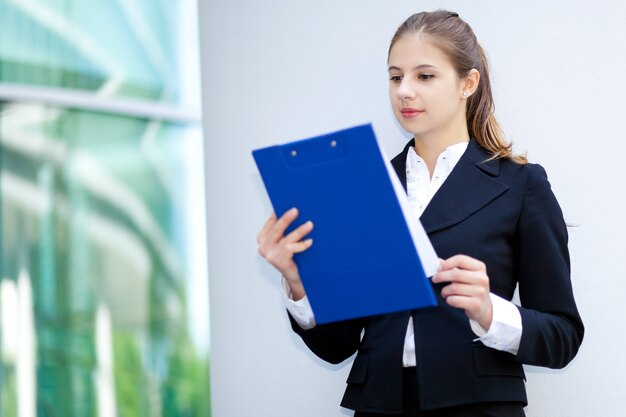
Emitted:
<point x="364" y="259"/>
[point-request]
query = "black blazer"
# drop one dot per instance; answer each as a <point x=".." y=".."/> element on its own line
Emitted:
<point x="505" y="215"/>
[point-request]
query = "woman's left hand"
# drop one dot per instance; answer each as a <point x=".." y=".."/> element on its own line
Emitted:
<point x="468" y="287"/>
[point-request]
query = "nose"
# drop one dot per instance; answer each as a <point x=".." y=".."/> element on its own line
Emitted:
<point x="405" y="91"/>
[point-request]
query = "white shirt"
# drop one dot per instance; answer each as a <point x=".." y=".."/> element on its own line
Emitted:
<point x="505" y="331"/>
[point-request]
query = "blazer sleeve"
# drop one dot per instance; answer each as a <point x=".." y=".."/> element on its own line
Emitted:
<point x="552" y="327"/>
<point x="332" y="342"/>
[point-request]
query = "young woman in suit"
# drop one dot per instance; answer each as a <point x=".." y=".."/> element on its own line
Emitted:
<point x="494" y="221"/>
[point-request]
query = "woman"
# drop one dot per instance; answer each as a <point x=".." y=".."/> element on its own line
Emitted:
<point x="495" y="222"/>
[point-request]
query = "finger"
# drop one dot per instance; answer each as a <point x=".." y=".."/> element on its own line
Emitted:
<point x="475" y="308"/>
<point x="299" y="233"/>
<point x="461" y="275"/>
<point x="465" y="290"/>
<point x="278" y="230"/>
<point x="266" y="227"/>
<point x="463" y="262"/>
<point x="463" y="302"/>
<point x="297" y="247"/>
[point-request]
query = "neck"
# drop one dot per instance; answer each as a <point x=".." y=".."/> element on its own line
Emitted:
<point x="431" y="144"/>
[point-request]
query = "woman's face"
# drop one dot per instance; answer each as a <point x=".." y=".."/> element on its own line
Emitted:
<point x="425" y="91"/>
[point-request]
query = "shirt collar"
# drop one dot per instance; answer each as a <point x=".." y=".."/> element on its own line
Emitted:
<point x="450" y="156"/>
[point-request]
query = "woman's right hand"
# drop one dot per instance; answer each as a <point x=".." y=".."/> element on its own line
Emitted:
<point x="278" y="249"/>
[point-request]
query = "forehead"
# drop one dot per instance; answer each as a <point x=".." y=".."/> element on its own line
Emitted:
<point x="414" y="49"/>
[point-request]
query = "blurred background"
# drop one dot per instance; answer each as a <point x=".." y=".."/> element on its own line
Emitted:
<point x="103" y="286"/>
<point x="108" y="156"/>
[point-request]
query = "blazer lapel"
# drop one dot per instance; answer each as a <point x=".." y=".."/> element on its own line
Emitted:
<point x="471" y="185"/>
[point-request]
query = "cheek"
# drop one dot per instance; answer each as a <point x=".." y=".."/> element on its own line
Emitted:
<point x="392" y="95"/>
<point x="445" y="101"/>
<point x="436" y="100"/>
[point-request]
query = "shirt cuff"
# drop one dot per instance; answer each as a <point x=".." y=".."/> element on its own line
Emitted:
<point x="300" y="310"/>
<point x="505" y="332"/>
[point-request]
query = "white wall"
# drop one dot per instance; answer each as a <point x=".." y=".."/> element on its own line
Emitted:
<point x="280" y="70"/>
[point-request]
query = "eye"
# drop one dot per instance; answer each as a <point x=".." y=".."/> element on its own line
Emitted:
<point x="395" y="78"/>
<point x="425" y="76"/>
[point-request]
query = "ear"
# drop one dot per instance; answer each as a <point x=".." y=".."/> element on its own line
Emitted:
<point x="470" y="84"/>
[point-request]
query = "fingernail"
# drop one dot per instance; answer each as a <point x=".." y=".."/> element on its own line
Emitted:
<point x="309" y="224"/>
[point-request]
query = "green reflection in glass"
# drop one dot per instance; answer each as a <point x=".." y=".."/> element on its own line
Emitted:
<point x="115" y="48"/>
<point x="96" y="317"/>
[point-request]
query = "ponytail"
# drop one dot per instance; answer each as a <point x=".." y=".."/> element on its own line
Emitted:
<point x="481" y="120"/>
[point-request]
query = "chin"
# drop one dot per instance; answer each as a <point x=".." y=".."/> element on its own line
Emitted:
<point x="414" y="130"/>
<point x="413" y="127"/>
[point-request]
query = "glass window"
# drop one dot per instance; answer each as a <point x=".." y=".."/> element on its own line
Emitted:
<point x="103" y="285"/>
<point x="129" y="49"/>
<point x="98" y="267"/>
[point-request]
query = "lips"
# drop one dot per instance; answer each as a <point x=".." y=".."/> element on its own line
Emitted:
<point x="409" y="112"/>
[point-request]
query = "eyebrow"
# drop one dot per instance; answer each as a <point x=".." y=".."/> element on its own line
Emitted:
<point x="419" y="67"/>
